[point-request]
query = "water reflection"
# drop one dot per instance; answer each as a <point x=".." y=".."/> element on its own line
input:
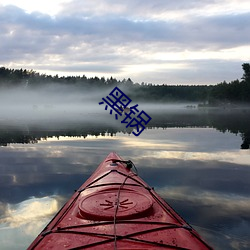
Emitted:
<point x="31" y="210"/>
<point x="100" y="124"/>
<point x="195" y="167"/>
<point x="21" y="221"/>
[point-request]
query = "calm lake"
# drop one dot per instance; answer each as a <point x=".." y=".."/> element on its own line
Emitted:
<point x="198" y="160"/>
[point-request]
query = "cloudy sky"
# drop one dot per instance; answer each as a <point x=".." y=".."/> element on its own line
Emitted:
<point x="156" y="41"/>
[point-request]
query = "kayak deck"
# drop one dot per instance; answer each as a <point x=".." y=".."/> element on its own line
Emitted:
<point x="116" y="209"/>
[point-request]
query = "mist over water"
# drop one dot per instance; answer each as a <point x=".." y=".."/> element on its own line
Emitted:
<point x="61" y="103"/>
<point x="46" y="103"/>
<point x="64" y="108"/>
<point x="55" y="108"/>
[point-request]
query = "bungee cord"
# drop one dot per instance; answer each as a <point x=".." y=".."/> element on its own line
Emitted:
<point x="129" y="165"/>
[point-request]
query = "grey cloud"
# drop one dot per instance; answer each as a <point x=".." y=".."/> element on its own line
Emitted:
<point x="86" y="68"/>
<point x="134" y="8"/>
<point x="218" y="31"/>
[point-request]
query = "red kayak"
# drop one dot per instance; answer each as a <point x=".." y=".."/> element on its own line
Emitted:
<point x="116" y="209"/>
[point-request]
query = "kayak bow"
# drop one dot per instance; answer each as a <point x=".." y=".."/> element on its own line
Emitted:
<point x="116" y="209"/>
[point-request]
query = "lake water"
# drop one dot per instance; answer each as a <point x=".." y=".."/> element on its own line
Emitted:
<point x="197" y="160"/>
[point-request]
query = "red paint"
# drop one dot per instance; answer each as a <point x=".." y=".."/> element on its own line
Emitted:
<point x="142" y="219"/>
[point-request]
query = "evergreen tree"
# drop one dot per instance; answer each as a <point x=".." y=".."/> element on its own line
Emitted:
<point x="246" y="69"/>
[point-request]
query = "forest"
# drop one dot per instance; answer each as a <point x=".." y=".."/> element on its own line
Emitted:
<point x="224" y="93"/>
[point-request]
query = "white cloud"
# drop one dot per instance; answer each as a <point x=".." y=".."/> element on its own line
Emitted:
<point x="28" y="212"/>
<point x="45" y="6"/>
<point x="25" y="220"/>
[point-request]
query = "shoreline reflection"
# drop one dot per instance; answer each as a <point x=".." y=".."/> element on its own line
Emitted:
<point x="97" y="124"/>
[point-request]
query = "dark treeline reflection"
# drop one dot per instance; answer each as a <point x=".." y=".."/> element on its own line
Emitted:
<point x="233" y="121"/>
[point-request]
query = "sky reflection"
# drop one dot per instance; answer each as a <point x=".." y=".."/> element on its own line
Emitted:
<point x="199" y="171"/>
<point x="23" y="220"/>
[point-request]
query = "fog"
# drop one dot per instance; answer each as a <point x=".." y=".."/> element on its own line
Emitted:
<point x="57" y="103"/>
<point x="53" y="103"/>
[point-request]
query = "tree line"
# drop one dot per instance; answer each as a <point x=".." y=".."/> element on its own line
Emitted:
<point x="236" y="91"/>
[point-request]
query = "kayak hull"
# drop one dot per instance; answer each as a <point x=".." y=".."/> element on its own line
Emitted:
<point x="116" y="209"/>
